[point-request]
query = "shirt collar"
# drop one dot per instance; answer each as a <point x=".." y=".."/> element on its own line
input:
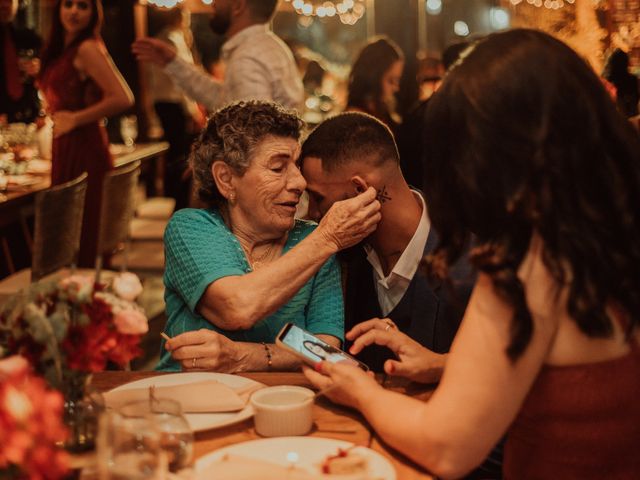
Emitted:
<point x="409" y="261"/>
<point x="240" y="37"/>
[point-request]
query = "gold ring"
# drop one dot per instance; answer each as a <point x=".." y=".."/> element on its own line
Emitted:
<point x="390" y="324"/>
<point x="193" y="362"/>
<point x="387" y="327"/>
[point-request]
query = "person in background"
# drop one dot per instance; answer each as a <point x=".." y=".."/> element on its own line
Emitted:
<point x="549" y="346"/>
<point x="617" y="72"/>
<point x="19" y="51"/>
<point x="179" y="115"/>
<point x="238" y="271"/>
<point x="81" y="87"/>
<point x="375" y="79"/>
<point x="259" y="64"/>
<point x="429" y="76"/>
<point x="410" y="134"/>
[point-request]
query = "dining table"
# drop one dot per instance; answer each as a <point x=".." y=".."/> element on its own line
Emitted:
<point x="31" y="182"/>
<point x="330" y="420"/>
<point x="18" y="193"/>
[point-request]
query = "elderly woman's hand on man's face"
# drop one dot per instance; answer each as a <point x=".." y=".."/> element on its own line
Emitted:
<point x="205" y="350"/>
<point x="348" y="222"/>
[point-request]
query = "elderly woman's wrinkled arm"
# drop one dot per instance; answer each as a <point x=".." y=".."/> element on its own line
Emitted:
<point x="208" y="350"/>
<point x="239" y="302"/>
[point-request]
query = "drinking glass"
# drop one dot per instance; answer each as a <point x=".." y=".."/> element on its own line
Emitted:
<point x="176" y="436"/>
<point x="128" y="448"/>
<point x="129" y="129"/>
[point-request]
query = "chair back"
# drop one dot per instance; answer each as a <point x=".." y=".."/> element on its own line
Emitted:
<point x="118" y="207"/>
<point x="58" y="223"/>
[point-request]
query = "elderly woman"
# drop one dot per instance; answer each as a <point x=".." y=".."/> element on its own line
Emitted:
<point x="239" y="270"/>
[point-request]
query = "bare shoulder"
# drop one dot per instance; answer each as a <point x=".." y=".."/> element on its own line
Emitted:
<point x="91" y="48"/>
<point x="91" y="58"/>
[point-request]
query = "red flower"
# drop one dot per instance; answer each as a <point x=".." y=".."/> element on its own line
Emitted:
<point x="90" y="347"/>
<point x="30" y="423"/>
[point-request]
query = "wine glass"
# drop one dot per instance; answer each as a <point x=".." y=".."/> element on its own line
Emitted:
<point x="129" y="129"/>
<point x="176" y="436"/>
<point x="128" y="448"/>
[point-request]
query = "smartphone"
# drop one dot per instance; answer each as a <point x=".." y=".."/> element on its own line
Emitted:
<point x="310" y="348"/>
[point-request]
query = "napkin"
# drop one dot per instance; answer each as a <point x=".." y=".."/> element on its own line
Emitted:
<point x="239" y="467"/>
<point x="207" y="396"/>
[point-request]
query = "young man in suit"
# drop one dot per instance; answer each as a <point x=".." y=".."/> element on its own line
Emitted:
<point x="343" y="156"/>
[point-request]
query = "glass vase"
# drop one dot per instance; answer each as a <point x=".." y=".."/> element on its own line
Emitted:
<point x="82" y="407"/>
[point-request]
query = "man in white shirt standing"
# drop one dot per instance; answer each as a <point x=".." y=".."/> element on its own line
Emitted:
<point x="259" y="66"/>
<point x="343" y="156"/>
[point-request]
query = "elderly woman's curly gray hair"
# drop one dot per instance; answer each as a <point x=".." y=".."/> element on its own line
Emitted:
<point x="231" y="135"/>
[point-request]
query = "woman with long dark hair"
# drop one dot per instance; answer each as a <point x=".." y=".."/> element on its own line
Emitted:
<point x="525" y="149"/>
<point x="81" y="86"/>
<point x="375" y="79"/>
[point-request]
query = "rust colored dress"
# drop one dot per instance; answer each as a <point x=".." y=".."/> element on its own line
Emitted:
<point x="579" y="422"/>
<point x="85" y="149"/>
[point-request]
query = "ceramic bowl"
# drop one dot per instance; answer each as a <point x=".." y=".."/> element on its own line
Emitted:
<point x="283" y="410"/>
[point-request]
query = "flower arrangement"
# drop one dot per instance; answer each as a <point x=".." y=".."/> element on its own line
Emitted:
<point x="72" y="328"/>
<point x="69" y="329"/>
<point x="30" y="424"/>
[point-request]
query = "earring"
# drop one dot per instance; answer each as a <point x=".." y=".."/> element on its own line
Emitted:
<point x="232" y="197"/>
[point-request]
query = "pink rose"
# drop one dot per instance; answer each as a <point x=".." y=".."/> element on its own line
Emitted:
<point x="131" y="322"/>
<point x="77" y="287"/>
<point x="127" y="286"/>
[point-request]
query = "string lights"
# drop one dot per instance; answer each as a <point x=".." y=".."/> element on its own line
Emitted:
<point x="550" y="4"/>
<point x="349" y="11"/>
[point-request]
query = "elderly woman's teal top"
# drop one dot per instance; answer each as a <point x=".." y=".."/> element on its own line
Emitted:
<point x="200" y="249"/>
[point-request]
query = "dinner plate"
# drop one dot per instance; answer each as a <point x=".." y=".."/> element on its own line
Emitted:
<point x="306" y="452"/>
<point x="201" y="421"/>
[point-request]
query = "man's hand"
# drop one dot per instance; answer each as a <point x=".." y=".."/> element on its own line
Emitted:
<point x="348" y="222"/>
<point x="204" y="349"/>
<point x="414" y="361"/>
<point x="153" y="51"/>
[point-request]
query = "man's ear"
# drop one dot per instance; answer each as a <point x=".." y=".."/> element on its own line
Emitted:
<point x="223" y="176"/>
<point x="359" y="183"/>
<point x="238" y="7"/>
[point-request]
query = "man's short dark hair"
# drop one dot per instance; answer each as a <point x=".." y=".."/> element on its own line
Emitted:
<point x="350" y="136"/>
<point x="262" y="10"/>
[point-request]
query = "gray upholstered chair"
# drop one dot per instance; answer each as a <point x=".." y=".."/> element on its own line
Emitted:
<point x="56" y="238"/>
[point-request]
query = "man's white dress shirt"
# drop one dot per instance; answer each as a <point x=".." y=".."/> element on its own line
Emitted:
<point x="259" y="66"/>
<point x="391" y="289"/>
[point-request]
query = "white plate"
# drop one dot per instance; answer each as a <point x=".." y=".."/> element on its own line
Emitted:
<point x="200" y="421"/>
<point x="311" y="452"/>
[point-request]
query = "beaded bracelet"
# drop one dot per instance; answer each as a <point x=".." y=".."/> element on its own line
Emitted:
<point x="267" y="351"/>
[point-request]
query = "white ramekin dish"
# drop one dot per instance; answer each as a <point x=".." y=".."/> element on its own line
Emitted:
<point x="283" y="410"/>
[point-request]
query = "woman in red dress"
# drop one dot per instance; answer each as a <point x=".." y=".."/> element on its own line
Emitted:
<point x="81" y="86"/>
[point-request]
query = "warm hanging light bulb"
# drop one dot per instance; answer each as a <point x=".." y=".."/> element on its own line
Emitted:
<point x="349" y="11"/>
<point x="549" y="4"/>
